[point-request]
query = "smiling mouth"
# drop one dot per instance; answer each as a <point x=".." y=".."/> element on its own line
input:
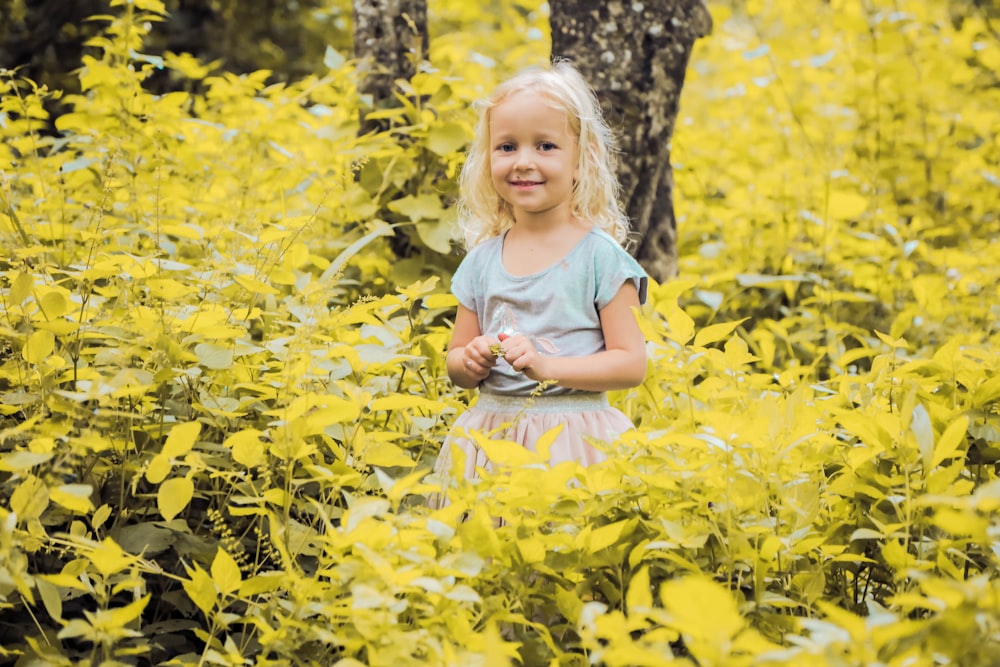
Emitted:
<point x="525" y="184"/>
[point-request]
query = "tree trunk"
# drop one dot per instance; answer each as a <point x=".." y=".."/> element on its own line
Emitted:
<point x="635" y="55"/>
<point x="390" y="40"/>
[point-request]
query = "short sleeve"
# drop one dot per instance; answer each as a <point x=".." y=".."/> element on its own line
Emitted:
<point x="463" y="280"/>
<point x="613" y="268"/>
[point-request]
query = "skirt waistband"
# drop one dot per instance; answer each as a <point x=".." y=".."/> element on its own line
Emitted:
<point x="561" y="403"/>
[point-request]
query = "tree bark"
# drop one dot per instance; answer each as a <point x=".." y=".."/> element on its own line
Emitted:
<point x="390" y="40"/>
<point x="635" y="55"/>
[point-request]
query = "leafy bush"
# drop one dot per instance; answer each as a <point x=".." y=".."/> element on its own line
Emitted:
<point x="221" y="399"/>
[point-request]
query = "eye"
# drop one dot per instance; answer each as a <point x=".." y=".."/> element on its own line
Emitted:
<point x="506" y="147"/>
<point x="547" y="146"/>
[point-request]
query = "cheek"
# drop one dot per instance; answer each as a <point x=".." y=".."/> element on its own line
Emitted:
<point x="497" y="166"/>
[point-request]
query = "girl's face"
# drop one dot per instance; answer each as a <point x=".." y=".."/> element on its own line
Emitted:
<point x="533" y="155"/>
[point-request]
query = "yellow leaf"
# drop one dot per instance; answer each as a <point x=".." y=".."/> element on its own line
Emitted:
<point x="101" y="514"/>
<point x="21" y="288"/>
<point x="282" y="276"/>
<point x="386" y="454"/>
<point x="892" y="342"/>
<point x="181" y="439"/>
<point x="545" y="440"/>
<point x="53" y="302"/>
<point x="173" y="496"/>
<point x="109" y="558"/>
<point x="158" y="469"/>
<point x="445" y="138"/>
<point x="168" y="289"/>
<point x="296" y="256"/>
<point x="50" y="597"/>
<point x="639" y="595"/>
<point x="701" y="609"/>
<point x="987" y="392"/>
<point x="608" y="535"/>
<point x="435" y="301"/>
<point x="334" y="411"/>
<point x="201" y="589"/>
<point x="716" y="332"/>
<point x="17" y="461"/>
<point x="246" y="447"/>
<point x="263" y="583"/>
<point x="29" y="499"/>
<point x="846" y="204"/>
<point x="737" y="353"/>
<point x="225" y="572"/>
<point x="38" y="347"/>
<point x="216" y="357"/>
<point x="506" y="452"/>
<point x="122" y="616"/>
<point x="254" y="285"/>
<point x="680" y="327"/>
<point x="532" y="550"/>
<point x="74" y="497"/>
<point x="957" y="522"/>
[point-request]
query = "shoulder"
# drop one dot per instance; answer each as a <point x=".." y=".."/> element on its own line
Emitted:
<point x="614" y="266"/>
<point x="484" y="249"/>
<point x="605" y="246"/>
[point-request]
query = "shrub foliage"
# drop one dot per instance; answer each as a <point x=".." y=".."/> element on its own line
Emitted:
<point x="221" y="397"/>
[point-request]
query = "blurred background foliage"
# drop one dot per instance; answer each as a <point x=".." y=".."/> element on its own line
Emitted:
<point x="45" y="38"/>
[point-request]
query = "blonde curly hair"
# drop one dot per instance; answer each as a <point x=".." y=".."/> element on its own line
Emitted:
<point x="482" y="214"/>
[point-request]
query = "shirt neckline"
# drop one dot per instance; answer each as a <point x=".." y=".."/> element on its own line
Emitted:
<point x="538" y="274"/>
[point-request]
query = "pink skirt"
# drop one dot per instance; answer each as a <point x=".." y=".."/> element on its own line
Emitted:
<point x="523" y="420"/>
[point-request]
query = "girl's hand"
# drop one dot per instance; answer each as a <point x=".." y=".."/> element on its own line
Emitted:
<point x="478" y="358"/>
<point x="522" y="355"/>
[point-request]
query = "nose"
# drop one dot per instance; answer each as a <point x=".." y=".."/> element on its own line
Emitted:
<point x="523" y="161"/>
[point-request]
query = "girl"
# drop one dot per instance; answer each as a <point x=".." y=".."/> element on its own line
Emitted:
<point x="546" y="292"/>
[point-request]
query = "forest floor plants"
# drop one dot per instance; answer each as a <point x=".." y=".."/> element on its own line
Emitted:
<point x="220" y="401"/>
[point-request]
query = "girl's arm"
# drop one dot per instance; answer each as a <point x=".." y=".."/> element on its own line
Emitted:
<point x="469" y="359"/>
<point x="622" y="364"/>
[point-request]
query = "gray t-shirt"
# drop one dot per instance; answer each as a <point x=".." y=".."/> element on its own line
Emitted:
<point x="558" y="308"/>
